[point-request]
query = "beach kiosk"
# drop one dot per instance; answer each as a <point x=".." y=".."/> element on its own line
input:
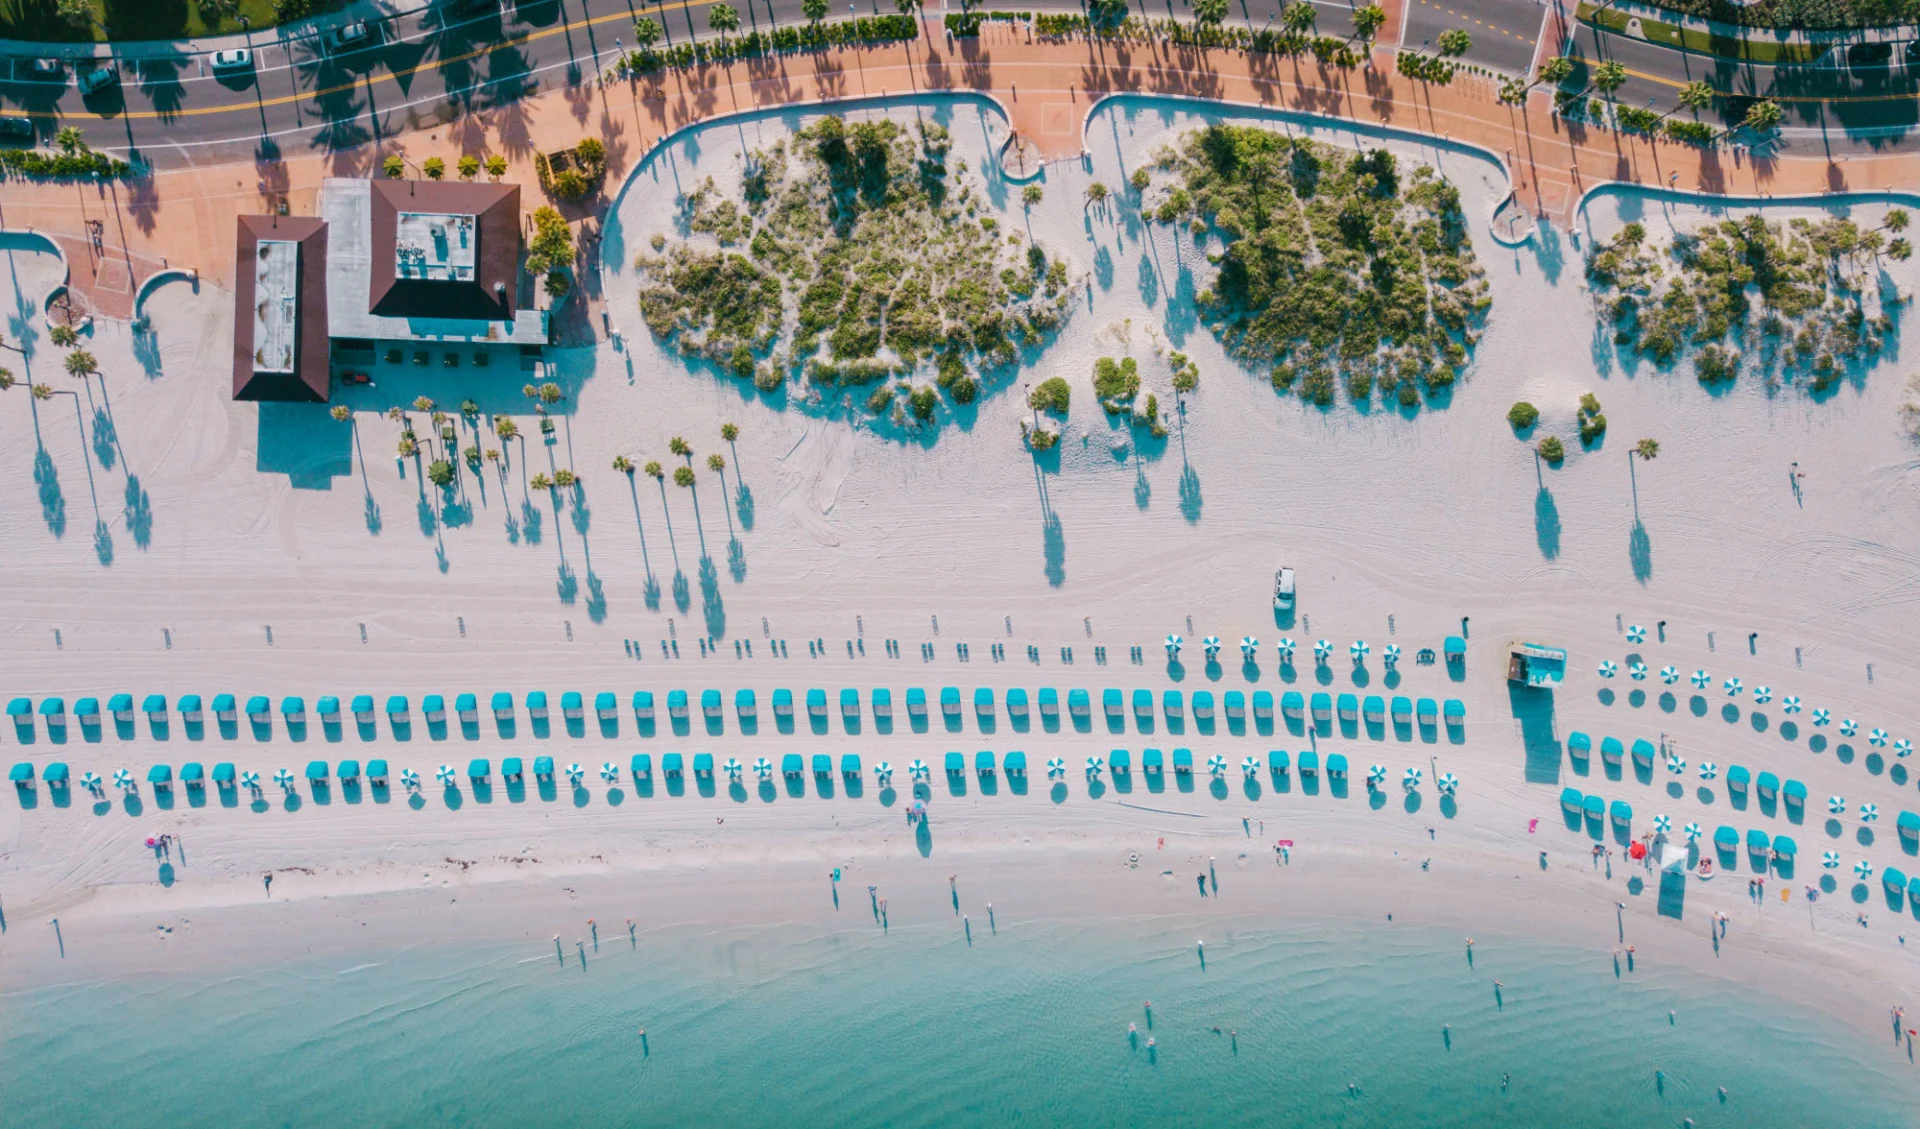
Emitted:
<point x="1530" y="664"/>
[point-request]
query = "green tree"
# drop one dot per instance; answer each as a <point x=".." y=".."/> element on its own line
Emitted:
<point x="81" y="363"/>
<point x="1647" y="449"/>
<point x="1555" y="70"/>
<point x="1297" y="17"/>
<point x="1762" y="116"/>
<point x="42" y="391"/>
<point x="496" y="166"/>
<point x="440" y="472"/>
<point x="394" y="167"/>
<point x="505" y="428"/>
<point x="906" y="7"/>
<point x="76" y="13"/>
<point x="1454" y="41"/>
<point x="435" y="168"/>
<point x="564" y="478"/>
<point x="6" y="379"/>
<point x="550" y="393"/>
<point x="715" y="463"/>
<point x="70" y="140"/>
<point x="623" y="464"/>
<point x="469" y="167"/>
<point x="1210" y="12"/>
<point x="1552" y="450"/>
<point x="683" y="476"/>
<point x="679" y="447"/>
<point x="552" y="244"/>
<point x="64" y="336"/>
<point x="1896" y="220"/>
<point x="1696" y="95"/>
<point x="1031" y="195"/>
<point x="1096" y="193"/>
<point x="646" y="30"/>
<point x="540" y="481"/>
<point x="729" y="432"/>
<point x="1608" y="76"/>
<point x="423" y="404"/>
<point x="341" y="412"/>
<point x="814" y="10"/>
<point x="1367" y="22"/>
<point x="1522" y="415"/>
<point x="723" y="18"/>
<point x="652" y="470"/>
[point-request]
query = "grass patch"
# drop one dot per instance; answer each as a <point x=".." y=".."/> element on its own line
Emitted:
<point x="1754" y="50"/>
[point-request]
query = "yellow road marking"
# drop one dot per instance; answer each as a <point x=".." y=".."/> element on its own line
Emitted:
<point x="389" y="76"/>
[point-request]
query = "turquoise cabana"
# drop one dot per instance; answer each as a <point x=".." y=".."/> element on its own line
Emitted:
<point x="882" y="699"/>
<point x="1611" y="750"/>
<point x="1766" y="784"/>
<point x="1596" y="807"/>
<point x="745" y="705"/>
<point x="259" y="709"/>
<point x="1235" y="704"/>
<point x="87" y="711"/>
<point x="1622" y="812"/>
<point x="956" y="764"/>
<point x="849" y="704"/>
<point x="317" y="771"/>
<point x="1309" y="762"/>
<point x="1455" y="712"/>
<point x="703" y="766"/>
<point x="710" y="704"/>
<point x="643" y="705"/>
<point x="1374" y="709"/>
<point x="1737" y="778"/>
<point x="642" y="766"/>
<point x="1016" y="763"/>
<point x="983" y="763"/>
<point x="55" y="711"/>
<point x="21" y="711"/>
<point x="1643" y="752"/>
<point x="817" y="703"/>
<point x="671" y="765"/>
<point x="983" y="702"/>
<point x="1402" y="710"/>
<point x="950" y="701"/>
<point x="155" y="707"/>
<point x="1150" y="761"/>
<point x="1143" y="705"/>
<point x="1078" y="704"/>
<point x="512" y="770"/>
<point x="1785" y="847"/>
<point x="223" y="774"/>
<point x="677" y="705"/>
<point x="328" y="707"/>
<point x="193" y="775"/>
<point x="1908" y="824"/>
<point x="543" y="768"/>
<point x="1795" y="793"/>
<point x="190" y="710"/>
<point x="121" y="707"/>
<point x="1182" y="761"/>
<point x="850" y="765"/>
<point x="1202" y="705"/>
<point x="433" y="707"/>
<point x="362" y="709"/>
<point x="478" y="770"/>
<point x="1292" y="704"/>
<point x="1425" y="711"/>
<point x="1277" y="762"/>
<point x="573" y="707"/>
<point x="1017" y="703"/>
<point x="1579" y="744"/>
<point x="1726" y="838"/>
<point x="537" y="706"/>
<point x="398" y="709"/>
<point x="294" y="709"/>
<point x="348" y="770"/>
<point x="1111" y="703"/>
<point x="606" y="706"/>
<point x="377" y="772"/>
<point x="1171" y="705"/>
<point x="791" y="765"/>
<point x="1570" y="799"/>
<point x="1348" y="707"/>
<point x="1120" y="761"/>
<point x="1757" y="842"/>
<point x="916" y="702"/>
<point x="21" y="775"/>
<point x="502" y="705"/>
<point x="160" y="776"/>
<point x="1049" y="702"/>
<point x="1321" y="706"/>
<point x="1895" y="881"/>
<point x="1337" y="765"/>
<point x="1262" y="705"/>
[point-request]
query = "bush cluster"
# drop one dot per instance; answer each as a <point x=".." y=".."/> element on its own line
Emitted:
<point x="805" y="37"/>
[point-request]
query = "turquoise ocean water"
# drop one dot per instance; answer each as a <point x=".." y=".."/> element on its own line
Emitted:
<point x="793" y="1027"/>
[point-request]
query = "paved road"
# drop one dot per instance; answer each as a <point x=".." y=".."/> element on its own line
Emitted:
<point x="1862" y="108"/>
<point x="1503" y="31"/>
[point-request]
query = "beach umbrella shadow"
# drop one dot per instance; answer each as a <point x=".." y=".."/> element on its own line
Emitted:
<point x="1058" y="793"/>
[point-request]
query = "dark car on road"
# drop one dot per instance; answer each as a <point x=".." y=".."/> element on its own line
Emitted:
<point x="1870" y="55"/>
<point x="17" y="129"/>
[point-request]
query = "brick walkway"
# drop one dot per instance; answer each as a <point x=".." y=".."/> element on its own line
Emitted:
<point x="185" y="217"/>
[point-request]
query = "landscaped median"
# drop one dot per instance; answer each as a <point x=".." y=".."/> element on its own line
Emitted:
<point x="647" y="59"/>
<point x="70" y="160"/>
<point x="1700" y="41"/>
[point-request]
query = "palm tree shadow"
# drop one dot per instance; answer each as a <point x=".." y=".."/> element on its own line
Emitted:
<point x="1640" y="552"/>
<point x="710" y="602"/>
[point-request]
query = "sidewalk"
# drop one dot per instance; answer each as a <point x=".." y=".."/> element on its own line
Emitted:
<point x="184" y="217"/>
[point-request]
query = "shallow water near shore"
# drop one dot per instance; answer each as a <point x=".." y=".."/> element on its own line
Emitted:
<point x="1027" y="1025"/>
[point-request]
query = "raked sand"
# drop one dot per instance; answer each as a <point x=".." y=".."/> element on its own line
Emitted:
<point x="1398" y="527"/>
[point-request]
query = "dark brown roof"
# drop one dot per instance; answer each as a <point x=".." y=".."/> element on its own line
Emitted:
<point x="308" y="382"/>
<point x="490" y="293"/>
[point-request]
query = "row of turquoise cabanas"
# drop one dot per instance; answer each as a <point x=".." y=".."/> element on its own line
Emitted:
<point x="258" y="708"/>
<point x="194" y="775"/>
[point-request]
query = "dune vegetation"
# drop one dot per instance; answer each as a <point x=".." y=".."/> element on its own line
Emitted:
<point x="857" y="257"/>
<point x="1338" y="270"/>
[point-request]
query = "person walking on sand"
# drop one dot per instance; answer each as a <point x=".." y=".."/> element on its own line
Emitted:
<point x="1202" y="879"/>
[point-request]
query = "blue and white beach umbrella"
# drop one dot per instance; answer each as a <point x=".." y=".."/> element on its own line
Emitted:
<point x="1669" y="674"/>
<point x="1869" y="812"/>
<point x="1863" y="868"/>
<point x="1250" y="766"/>
<point x="1377" y="774"/>
<point x="1448" y="783"/>
<point x="1692" y="832"/>
<point x="574" y="772"/>
<point x="1701" y="679"/>
<point x="1057" y="766"/>
<point x="1878" y="737"/>
<point x="1173" y="645"/>
<point x="1837" y="805"/>
<point x="609" y="772"/>
<point x="1359" y="650"/>
<point x="1608" y="668"/>
<point x="284" y="778"/>
<point x="1285" y="647"/>
<point x="732" y="768"/>
<point x="1249" y="646"/>
<point x="1636" y="634"/>
<point x="883" y="772"/>
<point x="1637" y="670"/>
<point x="918" y="768"/>
<point x="1212" y="644"/>
<point x="1763" y="694"/>
<point x="1411" y="778"/>
<point x="1709" y="770"/>
<point x="1848" y="727"/>
<point x="90" y="780"/>
<point x="444" y="775"/>
<point x="1216" y="764"/>
<point x="1830" y="860"/>
<point x="764" y="767"/>
<point x="1733" y="687"/>
<point x="1391" y="655"/>
<point x="408" y="778"/>
<point x="1094" y="766"/>
<point x="1822" y="718"/>
<point x="1903" y="748"/>
<point x="1662" y="824"/>
<point x="1322" y="650"/>
<point x="1676" y="764"/>
<point x="122" y="778"/>
<point x="1790" y="704"/>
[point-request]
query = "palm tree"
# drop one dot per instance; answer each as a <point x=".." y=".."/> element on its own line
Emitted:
<point x="1297" y="17"/>
<point x="1896" y="220"/>
<point x="729" y="432"/>
<point x="1762" y="116"/>
<point x="1696" y="95"/>
<point x="1210" y="11"/>
<point x="1555" y="70"/>
<point x="623" y="464"/>
<point x="1454" y="41"/>
<point x="422" y="404"/>
<point x="1096" y="193"/>
<point x="683" y="476"/>
<point x="541" y="481"/>
<point x="42" y="391"/>
<point x="716" y="464"/>
<point x="505" y="428"/>
<point x="6" y="379"/>
<point x="723" y="18"/>
<point x="814" y="10"/>
<point x="1647" y="449"/>
<point x="1367" y="22"/>
<point x="1608" y="77"/>
<point x="564" y="478"/>
<point x="64" y="336"/>
<point x="342" y="413"/>
<point x="652" y="470"/>
<point x="679" y="447"/>
<point x="80" y="363"/>
<point x="646" y="31"/>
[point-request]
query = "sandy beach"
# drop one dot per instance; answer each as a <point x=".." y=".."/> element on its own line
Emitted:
<point x="258" y="550"/>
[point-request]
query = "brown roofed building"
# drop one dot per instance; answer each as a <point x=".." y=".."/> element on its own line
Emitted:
<point x="280" y="346"/>
<point x="439" y="250"/>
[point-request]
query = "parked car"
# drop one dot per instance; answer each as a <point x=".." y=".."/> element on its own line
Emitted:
<point x="17" y="129"/>
<point x="346" y="37"/>
<point x="234" y="59"/>
<point x="99" y="78"/>
<point x="1869" y="54"/>
<point x="1283" y="590"/>
<point x="43" y="69"/>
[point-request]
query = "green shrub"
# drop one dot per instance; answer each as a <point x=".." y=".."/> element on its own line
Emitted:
<point x="1716" y="363"/>
<point x="1522" y="415"/>
<point x="1693" y="133"/>
<point x="965" y="390"/>
<point x="440" y="472"/>
<point x="1552" y="450"/>
<point x="1116" y="383"/>
<point x="1592" y="427"/>
<point x="1038" y="438"/>
<point x="1051" y="395"/>
<point x="922" y="400"/>
<point x="435" y="168"/>
<point x="1186" y="374"/>
<point x="880" y="401"/>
